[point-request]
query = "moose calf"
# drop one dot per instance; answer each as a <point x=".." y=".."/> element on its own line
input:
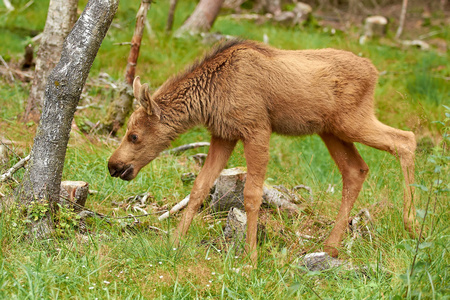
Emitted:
<point x="245" y="90"/>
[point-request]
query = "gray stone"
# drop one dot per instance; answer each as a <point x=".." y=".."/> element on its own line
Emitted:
<point x="320" y="261"/>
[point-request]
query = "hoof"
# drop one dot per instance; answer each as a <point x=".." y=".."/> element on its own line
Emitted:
<point x="332" y="251"/>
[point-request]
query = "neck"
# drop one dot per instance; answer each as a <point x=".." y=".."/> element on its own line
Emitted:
<point x="183" y="107"/>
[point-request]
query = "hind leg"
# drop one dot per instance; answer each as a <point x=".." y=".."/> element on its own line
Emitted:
<point x="401" y="144"/>
<point x="354" y="171"/>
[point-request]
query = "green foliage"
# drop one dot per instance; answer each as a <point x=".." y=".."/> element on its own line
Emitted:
<point x="427" y="80"/>
<point x="423" y="278"/>
<point x="65" y="220"/>
<point x="19" y="217"/>
<point x="36" y="210"/>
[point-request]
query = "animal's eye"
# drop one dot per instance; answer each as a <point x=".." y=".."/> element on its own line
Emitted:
<point x="133" y="137"/>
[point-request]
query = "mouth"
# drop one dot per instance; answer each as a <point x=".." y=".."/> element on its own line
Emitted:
<point x="127" y="174"/>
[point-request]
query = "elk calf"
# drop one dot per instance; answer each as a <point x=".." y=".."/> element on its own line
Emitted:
<point x="244" y="91"/>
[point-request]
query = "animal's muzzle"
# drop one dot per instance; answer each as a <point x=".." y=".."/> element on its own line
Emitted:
<point x="125" y="172"/>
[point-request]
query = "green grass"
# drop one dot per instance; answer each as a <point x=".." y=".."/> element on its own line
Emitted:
<point x="113" y="262"/>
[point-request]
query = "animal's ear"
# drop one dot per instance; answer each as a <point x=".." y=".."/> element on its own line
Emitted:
<point x="146" y="101"/>
<point x="136" y="87"/>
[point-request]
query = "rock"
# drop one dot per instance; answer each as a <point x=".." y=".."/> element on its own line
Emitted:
<point x="320" y="261"/>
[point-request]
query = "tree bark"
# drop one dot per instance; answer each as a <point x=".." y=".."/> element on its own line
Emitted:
<point x="61" y="17"/>
<point x="202" y="18"/>
<point x="170" y="15"/>
<point x="120" y="108"/>
<point x="62" y="93"/>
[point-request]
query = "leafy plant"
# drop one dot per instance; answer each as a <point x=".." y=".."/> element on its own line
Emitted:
<point x="65" y="220"/>
<point x="422" y="277"/>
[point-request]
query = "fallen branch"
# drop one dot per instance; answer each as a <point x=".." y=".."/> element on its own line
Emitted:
<point x="159" y="229"/>
<point x="122" y="44"/>
<point x="24" y="76"/>
<point x="358" y="229"/>
<point x="186" y="147"/>
<point x="14" y="168"/>
<point x="274" y="197"/>
<point x="8" y="5"/>
<point x="305" y="187"/>
<point x="7" y="68"/>
<point x="179" y="206"/>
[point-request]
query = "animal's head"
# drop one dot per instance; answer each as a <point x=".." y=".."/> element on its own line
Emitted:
<point x="144" y="139"/>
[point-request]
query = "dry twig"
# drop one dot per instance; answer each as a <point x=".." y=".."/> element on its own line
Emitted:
<point x="7" y="68"/>
<point x="14" y="168"/>
<point x="179" y="206"/>
<point x="186" y="147"/>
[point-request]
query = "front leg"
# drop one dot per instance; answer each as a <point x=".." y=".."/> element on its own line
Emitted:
<point x="257" y="156"/>
<point x="218" y="154"/>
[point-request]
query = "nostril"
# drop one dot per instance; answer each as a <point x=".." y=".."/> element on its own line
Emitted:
<point x="113" y="170"/>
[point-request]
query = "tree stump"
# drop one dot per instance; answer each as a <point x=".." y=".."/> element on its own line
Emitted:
<point x="75" y="191"/>
<point x="375" y="26"/>
<point x="229" y="190"/>
<point x="235" y="229"/>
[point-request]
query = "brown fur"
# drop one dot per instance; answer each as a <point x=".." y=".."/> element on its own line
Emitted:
<point x="244" y="90"/>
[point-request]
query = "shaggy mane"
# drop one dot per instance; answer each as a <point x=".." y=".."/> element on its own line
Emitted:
<point x="216" y="51"/>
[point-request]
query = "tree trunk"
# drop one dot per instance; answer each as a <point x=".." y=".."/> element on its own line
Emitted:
<point x="402" y="19"/>
<point x="202" y="18"/>
<point x="42" y="179"/>
<point x="173" y="5"/>
<point x="121" y="107"/>
<point x="61" y="17"/>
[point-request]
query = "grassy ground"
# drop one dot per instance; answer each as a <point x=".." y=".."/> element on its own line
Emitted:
<point x="113" y="262"/>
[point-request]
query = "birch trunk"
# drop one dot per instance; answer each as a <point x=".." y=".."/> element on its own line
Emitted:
<point x="61" y="17"/>
<point x="42" y="179"/>
<point x="402" y="19"/>
<point x="202" y="18"/>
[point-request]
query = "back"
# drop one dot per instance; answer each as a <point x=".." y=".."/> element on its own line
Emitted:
<point x="294" y="92"/>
